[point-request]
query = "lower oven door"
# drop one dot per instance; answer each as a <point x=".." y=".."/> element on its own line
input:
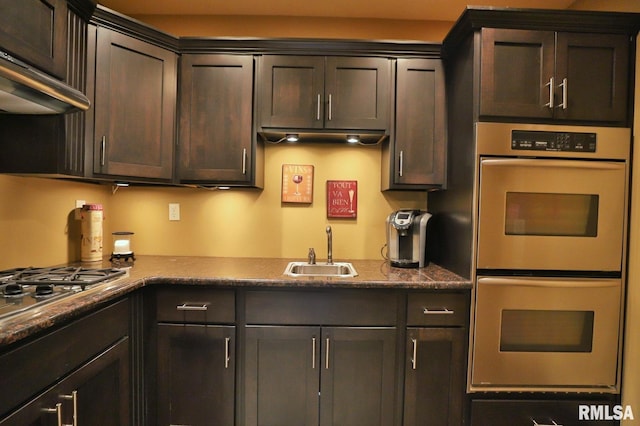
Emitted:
<point x="546" y="334"/>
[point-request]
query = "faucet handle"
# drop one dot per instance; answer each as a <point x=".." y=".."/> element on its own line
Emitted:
<point x="312" y="256"/>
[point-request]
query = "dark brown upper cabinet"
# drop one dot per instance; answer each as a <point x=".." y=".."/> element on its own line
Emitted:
<point x="36" y="32"/>
<point x="316" y="92"/>
<point x="217" y="144"/>
<point x="135" y="107"/>
<point x="415" y="156"/>
<point x="554" y="75"/>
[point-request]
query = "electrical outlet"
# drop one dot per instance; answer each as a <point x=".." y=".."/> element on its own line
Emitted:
<point x="78" y="209"/>
<point x="174" y="211"/>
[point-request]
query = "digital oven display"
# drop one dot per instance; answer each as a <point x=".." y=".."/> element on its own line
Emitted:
<point x="553" y="141"/>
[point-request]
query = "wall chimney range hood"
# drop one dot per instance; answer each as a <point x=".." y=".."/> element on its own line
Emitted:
<point x="24" y="90"/>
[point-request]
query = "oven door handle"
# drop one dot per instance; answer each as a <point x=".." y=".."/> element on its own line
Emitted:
<point x="553" y="283"/>
<point x="545" y="163"/>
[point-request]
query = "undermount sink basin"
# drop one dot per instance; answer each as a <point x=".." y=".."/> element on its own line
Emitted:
<point x="335" y="269"/>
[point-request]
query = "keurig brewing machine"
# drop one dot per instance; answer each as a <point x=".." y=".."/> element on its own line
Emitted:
<point x="406" y="238"/>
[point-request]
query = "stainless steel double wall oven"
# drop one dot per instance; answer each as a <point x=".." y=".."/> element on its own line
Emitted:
<point x="549" y="259"/>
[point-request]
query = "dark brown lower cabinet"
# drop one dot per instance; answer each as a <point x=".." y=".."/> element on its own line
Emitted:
<point x="434" y="377"/>
<point x="320" y="375"/>
<point x="196" y="374"/>
<point x="80" y="369"/>
<point x="97" y="393"/>
<point x="551" y="412"/>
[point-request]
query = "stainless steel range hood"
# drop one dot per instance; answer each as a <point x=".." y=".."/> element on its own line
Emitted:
<point x="24" y="90"/>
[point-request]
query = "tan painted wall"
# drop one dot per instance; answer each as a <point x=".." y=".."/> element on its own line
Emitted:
<point x="255" y="223"/>
<point x="300" y="27"/>
<point x="36" y="222"/>
<point x="37" y="227"/>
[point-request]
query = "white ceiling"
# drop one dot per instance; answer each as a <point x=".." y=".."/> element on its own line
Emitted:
<point x="429" y="10"/>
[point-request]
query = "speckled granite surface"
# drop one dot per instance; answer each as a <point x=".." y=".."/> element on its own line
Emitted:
<point x="215" y="271"/>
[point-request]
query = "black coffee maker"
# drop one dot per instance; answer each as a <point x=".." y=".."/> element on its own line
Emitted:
<point x="407" y="237"/>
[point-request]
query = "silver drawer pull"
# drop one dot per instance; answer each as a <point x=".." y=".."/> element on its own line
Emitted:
<point x="74" y="398"/>
<point x="188" y="307"/>
<point x="57" y="411"/>
<point x="414" y="362"/>
<point x="443" y="311"/>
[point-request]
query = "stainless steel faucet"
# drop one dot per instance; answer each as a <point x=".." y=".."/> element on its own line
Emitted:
<point x="329" y="246"/>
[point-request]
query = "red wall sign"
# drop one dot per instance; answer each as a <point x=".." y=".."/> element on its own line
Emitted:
<point x="342" y="198"/>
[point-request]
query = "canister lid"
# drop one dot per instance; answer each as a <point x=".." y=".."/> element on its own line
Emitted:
<point x="92" y="207"/>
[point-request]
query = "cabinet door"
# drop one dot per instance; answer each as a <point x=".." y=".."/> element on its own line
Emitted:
<point x="36" y="32"/>
<point x="596" y="70"/>
<point x="419" y="135"/>
<point x="358" y="376"/>
<point x="134" y="107"/>
<point x="282" y="376"/>
<point x="435" y="377"/>
<point x="516" y="67"/>
<point x="357" y="93"/>
<point x="98" y="393"/>
<point x="216" y="111"/>
<point x="196" y="374"/>
<point x="292" y="91"/>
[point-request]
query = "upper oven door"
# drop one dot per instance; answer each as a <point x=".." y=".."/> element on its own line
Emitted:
<point x="551" y="214"/>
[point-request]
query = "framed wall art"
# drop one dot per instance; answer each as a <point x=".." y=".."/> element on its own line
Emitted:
<point x="297" y="183"/>
<point x="342" y="199"/>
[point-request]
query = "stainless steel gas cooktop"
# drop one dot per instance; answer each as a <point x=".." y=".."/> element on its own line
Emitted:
<point x="22" y="289"/>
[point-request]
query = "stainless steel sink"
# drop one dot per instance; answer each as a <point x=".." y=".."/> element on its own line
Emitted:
<point x="335" y="269"/>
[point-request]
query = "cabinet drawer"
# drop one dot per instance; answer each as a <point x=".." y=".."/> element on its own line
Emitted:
<point x="31" y="367"/>
<point x="195" y="305"/>
<point x="337" y="307"/>
<point x="530" y="413"/>
<point x="438" y="309"/>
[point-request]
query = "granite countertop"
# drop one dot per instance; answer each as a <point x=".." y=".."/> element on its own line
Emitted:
<point x="224" y="272"/>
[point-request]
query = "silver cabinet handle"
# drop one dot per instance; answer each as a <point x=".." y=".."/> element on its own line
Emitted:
<point x="330" y="107"/>
<point x="318" y="109"/>
<point x="553" y="423"/>
<point x="414" y="362"/>
<point x="313" y="353"/>
<point x="244" y="161"/>
<point x="565" y="94"/>
<point x="103" y="149"/>
<point x="57" y="411"/>
<point x="74" y="398"/>
<point x="551" y="85"/>
<point x="189" y="307"/>
<point x="401" y="163"/>
<point x="326" y="354"/>
<point x="227" y="341"/>
<point x="443" y="311"/>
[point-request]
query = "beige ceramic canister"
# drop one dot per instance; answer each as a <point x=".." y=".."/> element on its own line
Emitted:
<point x="91" y="239"/>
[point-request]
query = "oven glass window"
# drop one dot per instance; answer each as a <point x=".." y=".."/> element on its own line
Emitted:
<point x="546" y="331"/>
<point x="548" y="214"/>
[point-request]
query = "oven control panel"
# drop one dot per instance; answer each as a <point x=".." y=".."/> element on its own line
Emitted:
<point x="553" y="141"/>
